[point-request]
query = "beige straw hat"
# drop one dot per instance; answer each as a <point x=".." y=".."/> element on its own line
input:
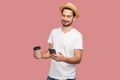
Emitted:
<point x="71" y="6"/>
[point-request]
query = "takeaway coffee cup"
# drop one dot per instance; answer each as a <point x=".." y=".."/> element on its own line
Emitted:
<point x="37" y="51"/>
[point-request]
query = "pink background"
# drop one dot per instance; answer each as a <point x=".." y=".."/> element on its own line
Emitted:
<point x="27" y="23"/>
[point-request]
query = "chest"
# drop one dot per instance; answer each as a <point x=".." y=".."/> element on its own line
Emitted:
<point x="66" y="40"/>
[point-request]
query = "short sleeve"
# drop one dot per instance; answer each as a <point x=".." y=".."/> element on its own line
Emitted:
<point x="78" y="43"/>
<point x="50" y="39"/>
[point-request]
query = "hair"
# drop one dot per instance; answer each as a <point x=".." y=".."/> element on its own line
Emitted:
<point x="68" y="9"/>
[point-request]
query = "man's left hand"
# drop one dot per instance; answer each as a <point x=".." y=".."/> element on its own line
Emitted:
<point x="59" y="57"/>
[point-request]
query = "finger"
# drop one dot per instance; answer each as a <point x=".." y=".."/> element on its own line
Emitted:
<point x="60" y="53"/>
<point x="54" y="55"/>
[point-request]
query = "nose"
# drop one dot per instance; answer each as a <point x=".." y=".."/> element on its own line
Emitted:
<point x="65" y="18"/>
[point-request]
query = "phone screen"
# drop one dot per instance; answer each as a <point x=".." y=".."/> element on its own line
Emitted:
<point x="52" y="51"/>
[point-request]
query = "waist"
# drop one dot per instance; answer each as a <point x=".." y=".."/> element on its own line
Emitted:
<point x="50" y="78"/>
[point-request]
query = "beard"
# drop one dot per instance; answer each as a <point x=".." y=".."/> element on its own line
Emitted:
<point x="67" y="23"/>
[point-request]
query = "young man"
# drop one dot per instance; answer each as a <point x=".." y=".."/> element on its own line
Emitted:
<point x="67" y="42"/>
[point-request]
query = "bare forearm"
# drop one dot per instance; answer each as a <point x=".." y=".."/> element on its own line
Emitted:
<point x="72" y="60"/>
<point x="45" y="55"/>
<point x="76" y="59"/>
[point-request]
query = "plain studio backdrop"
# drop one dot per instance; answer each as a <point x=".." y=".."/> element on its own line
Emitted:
<point x="27" y="23"/>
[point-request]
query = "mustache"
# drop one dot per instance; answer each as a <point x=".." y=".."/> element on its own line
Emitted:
<point x="65" y="21"/>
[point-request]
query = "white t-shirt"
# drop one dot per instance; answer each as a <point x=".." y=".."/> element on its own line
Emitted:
<point x="64" y="43"/>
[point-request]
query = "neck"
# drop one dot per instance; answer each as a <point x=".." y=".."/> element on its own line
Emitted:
<point x="66" y="29"/>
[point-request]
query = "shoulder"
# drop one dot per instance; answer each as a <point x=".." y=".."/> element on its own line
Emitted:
<point x="55" y="30"/>
<point x="77" y="33"/>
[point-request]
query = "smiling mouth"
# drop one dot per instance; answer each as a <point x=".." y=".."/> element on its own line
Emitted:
<point x="65" y="21"/>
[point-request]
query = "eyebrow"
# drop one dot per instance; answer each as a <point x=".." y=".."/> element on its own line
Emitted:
<point x="66" y="15"/>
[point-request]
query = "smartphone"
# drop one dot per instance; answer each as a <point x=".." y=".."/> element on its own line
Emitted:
<point x="52" y="51"/>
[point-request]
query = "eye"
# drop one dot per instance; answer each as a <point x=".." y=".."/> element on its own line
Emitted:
<point x="63" y="15"/>
<point x="69" y="16"/>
